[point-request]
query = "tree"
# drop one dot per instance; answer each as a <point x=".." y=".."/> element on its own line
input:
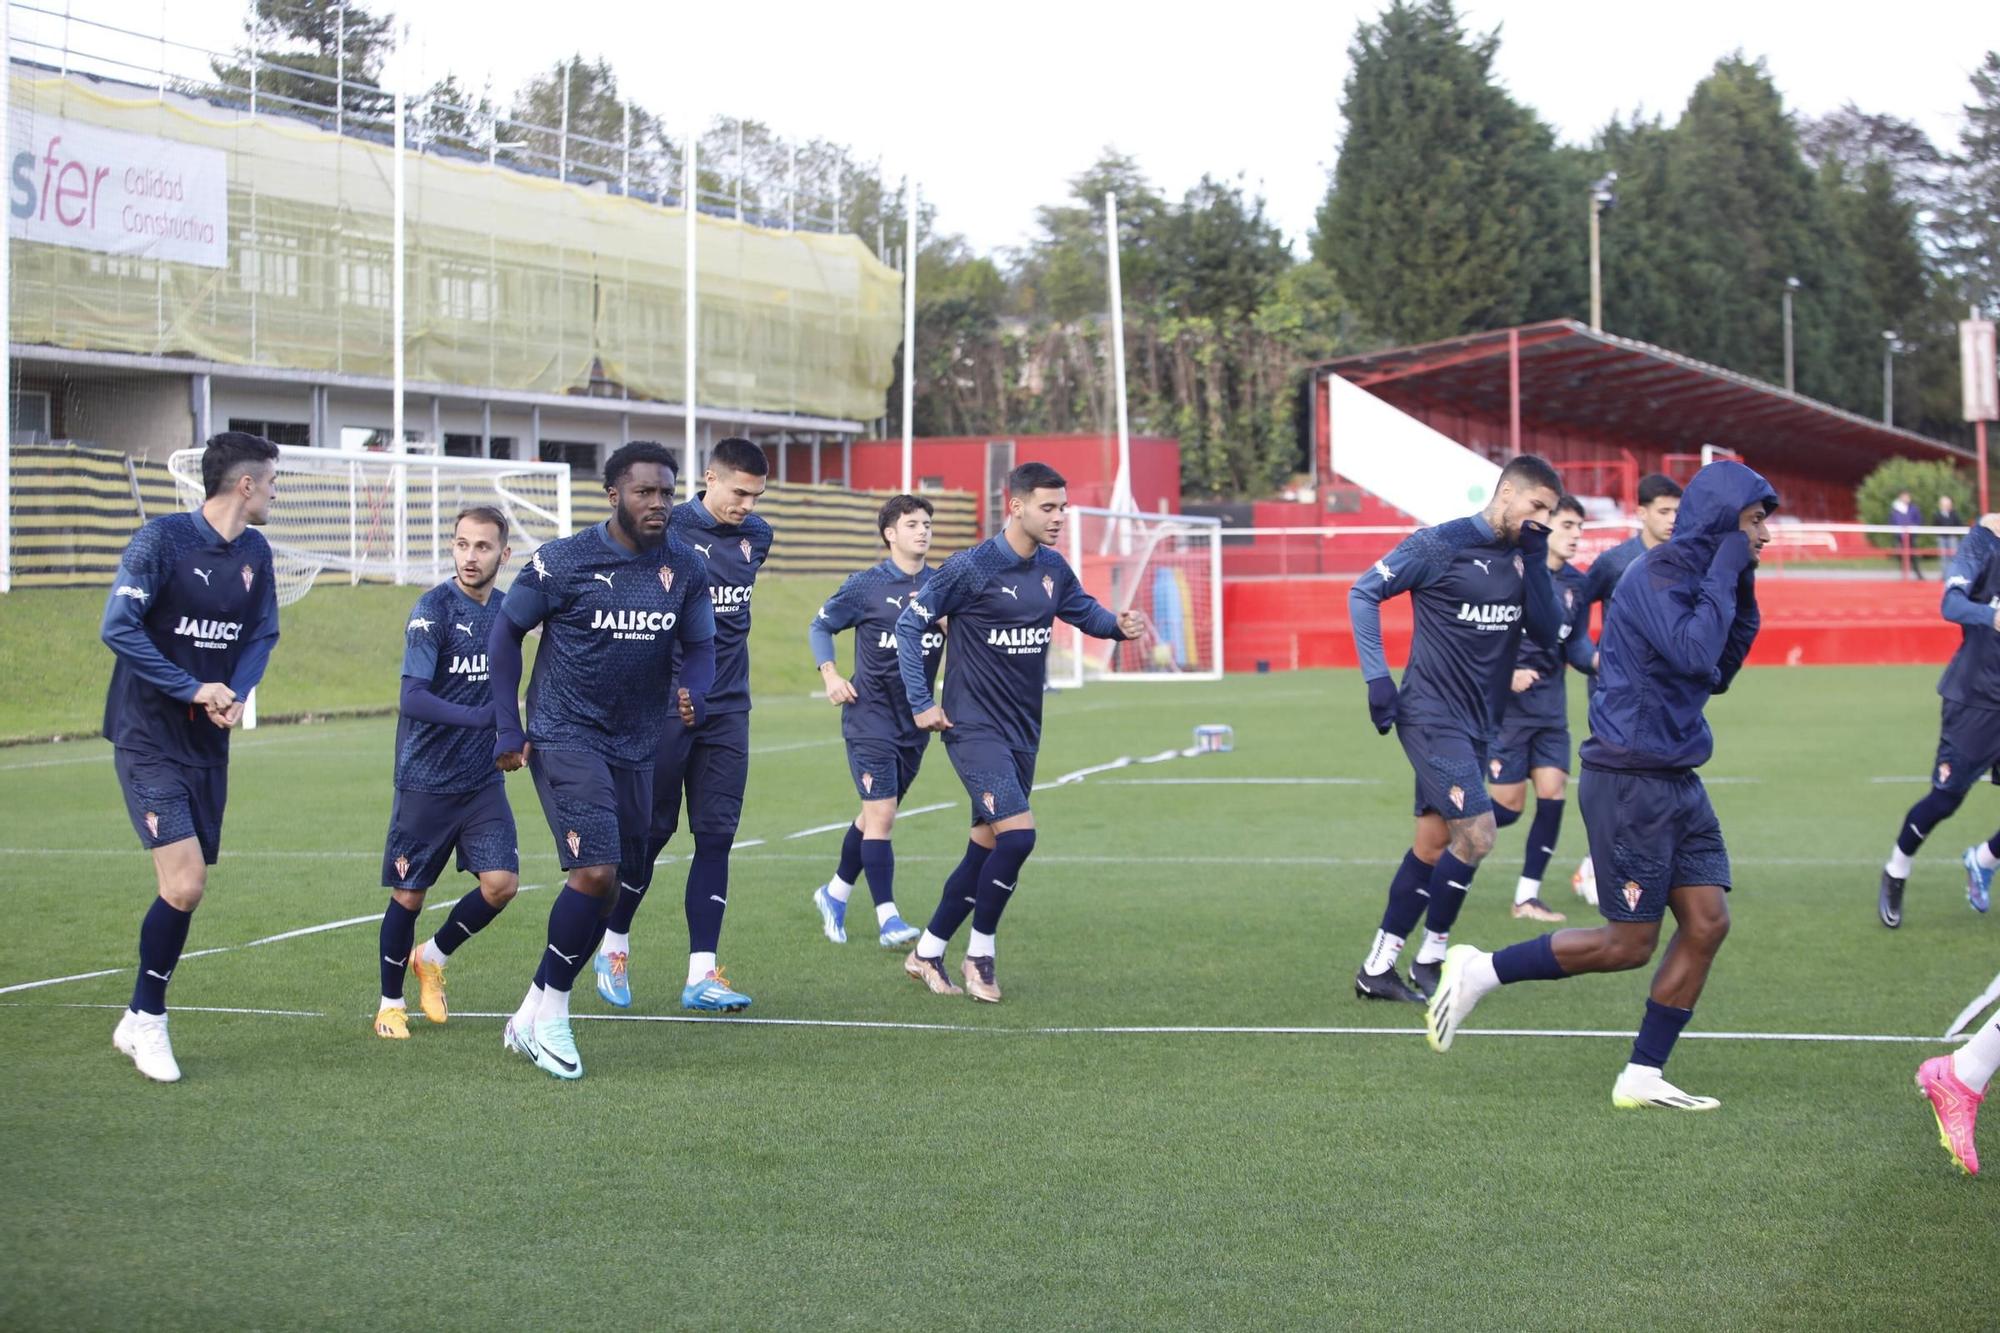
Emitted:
<point x="1430" y="224"/>
<point x="298" y="44"/>
<point x="601" y="124"/>
<point x="1970" y="219"/>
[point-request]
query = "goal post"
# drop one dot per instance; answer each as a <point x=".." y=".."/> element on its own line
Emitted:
<point x="386" y="517"/>
<point x="1166" y="566"/>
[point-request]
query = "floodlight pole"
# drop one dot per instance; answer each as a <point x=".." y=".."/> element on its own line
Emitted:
<point x="1888" y="377"/>
<point x="1596" y="276"/>
<point x="688" y="277"/>
<point x="1121" y="488"/>
<point x="909" y="328"/>
<point x="396" y="320"/>
<point x="1791" y="285"/>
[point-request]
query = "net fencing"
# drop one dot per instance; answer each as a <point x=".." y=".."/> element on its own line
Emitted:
<point x="387" y="517"/>
<point x="1166" y="566"/>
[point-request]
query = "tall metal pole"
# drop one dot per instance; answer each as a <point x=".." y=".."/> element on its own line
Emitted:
<point x="7" y="335"/>
<point x="562" y="143"/>
<point x="1121" y="489"/>
<point x="396" y="319"/>
<point x="1888" y="377"/>
<point x="1596" y="279"/>
<point x="339" y="67"/>
<point x="909" y="329"/>
<point x="689" y="213"/>
<point x="1791" y="285"/>
<point x="1979" y="432"/>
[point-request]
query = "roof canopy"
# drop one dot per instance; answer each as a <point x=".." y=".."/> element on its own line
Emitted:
<point x="1589" y="381"/>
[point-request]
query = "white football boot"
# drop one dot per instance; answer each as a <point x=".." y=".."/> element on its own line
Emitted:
<point x="143" y="1037"/>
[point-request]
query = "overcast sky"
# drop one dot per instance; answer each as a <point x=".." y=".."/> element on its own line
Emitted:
<point x="994" y="106"/>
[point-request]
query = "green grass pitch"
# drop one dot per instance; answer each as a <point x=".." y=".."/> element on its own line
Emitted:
<point x="988" y="1172"/>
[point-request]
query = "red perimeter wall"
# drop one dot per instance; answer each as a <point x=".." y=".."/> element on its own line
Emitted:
<point x="1089" y="463"/>
<point x="1302" y="622"/>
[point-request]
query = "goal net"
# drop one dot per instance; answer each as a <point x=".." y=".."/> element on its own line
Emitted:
<point x="1167" y="566"/>
<point x="361" y="515"/>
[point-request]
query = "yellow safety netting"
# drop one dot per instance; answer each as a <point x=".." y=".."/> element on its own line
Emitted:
<point x="513" y="281"/>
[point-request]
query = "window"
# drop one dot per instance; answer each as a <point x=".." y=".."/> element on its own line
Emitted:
<point x="31" y="421"/>
<point x="277" y="432"/>
<point x="467" y="446"/>
<point x="581" y="456"/>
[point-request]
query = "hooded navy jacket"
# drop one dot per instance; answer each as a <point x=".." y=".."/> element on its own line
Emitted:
<point x="1678" y="631"/>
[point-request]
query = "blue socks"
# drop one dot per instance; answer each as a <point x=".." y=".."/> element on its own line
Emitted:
<point x="960" y="889"/>
<point x="851" y="859"/>
<point x="1658" y="1033"/>
<point x="573" y="925"/>
<point x="998" y="877"/>
<point x="162" y="935"/>
<point x="707" y="891"/>
<point x="1542" y="835"/>
<point x="1451" y="880"/>
<point x="878" y="862"/>
<point x="470" y="915"/>
<point x="1502" y="816"/>
<point x="1406" y="897"/>
<point x="1530" y="960"/>
<point x="399" y="935"/>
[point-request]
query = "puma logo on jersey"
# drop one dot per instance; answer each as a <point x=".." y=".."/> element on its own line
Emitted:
<point x="704" y="549"/>
<point x="203" y="573"/>
<point x="127" y="590"/>
<point x="605" y="579"/>
<point x="1010" y="592"/>
<point x="466" y="630"/>
<point x="1485" y="566"/>
<point x="896" y="602"/>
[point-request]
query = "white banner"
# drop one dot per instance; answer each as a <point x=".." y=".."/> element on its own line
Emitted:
<point x="83" y="186"/>
<point x="1428" y="476"/>
<point x="1976" y="363"/>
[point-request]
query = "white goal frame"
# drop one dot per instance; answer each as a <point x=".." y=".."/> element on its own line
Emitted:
<point x="1131" y="532"/>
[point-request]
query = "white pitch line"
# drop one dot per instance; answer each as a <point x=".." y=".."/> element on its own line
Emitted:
<point x="1243" y="782"/>
<point x="179" y="1008"/>
<point x="1113" y="1030"/>
<point x="232" y="948"/>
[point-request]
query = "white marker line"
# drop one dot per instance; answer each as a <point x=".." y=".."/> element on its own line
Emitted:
<point x="179" y="1008"/>
<point x="1131" y="1030"/>
<point x="789" y="746"/>
<point x="232" y="948"/>
<point x="748" y="842"/>
<point x="845" y="824"/>
<point x="1243" y="782"/>
<point x="1901" y="780"/>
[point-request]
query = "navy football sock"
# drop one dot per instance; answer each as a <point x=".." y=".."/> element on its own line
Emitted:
<point x="878" y="860"/>
<point x="1993" y="844"/>
<point x="1451" y="879"/>
<point x="629" y="898"/>
<point x="1406" y="897"/>
<point x="1530" y="960"/>
<point x="1542" y="835"/>
<point x="399" y="933"/>
<point x="469" y="915"/>
<point x="1658" y="1033"/>
<point x="1502" y="816"/>
<point x="573" y="922"/>
<point x="1926" y="815"/>
<point x="162" y="935"/>
<point x="851" y="859"/>
<point x="955" y="903"/>
<point x="998" y="877"/>
<point x="707" y="891"/>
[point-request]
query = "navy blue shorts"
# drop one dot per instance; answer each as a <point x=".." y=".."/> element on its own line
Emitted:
<point x="1449" y="766"/>
<point x="1525" y="746"/>
<point x="426" y="827"/>
<point x="169" y="801"/>
<point x="596" y="809"/>
<point x="710" y="765"/>
<point x="1649" y="833"/>
<point x="997" y="777"/>
<point x="884" y="770"/>
<point x="1968" y="747"/>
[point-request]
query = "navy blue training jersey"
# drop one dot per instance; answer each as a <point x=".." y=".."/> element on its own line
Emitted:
<point x="444" y="646"/>
<point x="1467" y="600"/>
<point x="733" y="552"/>
<point x="186" y="609"/>
<point x="610" y="619"/>
<point x="1002" y="608"/>
<point x="1547" y="700"/>
<point x="1971" y="597"/>
<point x="869" y="603"/>
<point x="1600" y="581"/>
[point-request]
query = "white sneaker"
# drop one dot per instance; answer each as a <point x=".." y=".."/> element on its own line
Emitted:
<point x="1452" y="1000"/>
<point x="1642" y="1088"/>
<point x="143" y="1037"/>
<point x="1585" y="882"/>
<point x="518" y="1037"/>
